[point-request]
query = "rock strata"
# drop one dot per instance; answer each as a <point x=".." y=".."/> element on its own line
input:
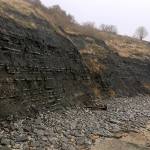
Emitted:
<point x="39" y="69"/>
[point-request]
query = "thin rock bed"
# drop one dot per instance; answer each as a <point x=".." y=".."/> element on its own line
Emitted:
<point x="75" y="129"/>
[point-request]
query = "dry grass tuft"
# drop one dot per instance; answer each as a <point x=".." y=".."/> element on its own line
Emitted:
<point x="147" y="86"/>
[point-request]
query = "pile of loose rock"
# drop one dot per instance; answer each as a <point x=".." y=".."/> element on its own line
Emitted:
<point x="74" y="128"/>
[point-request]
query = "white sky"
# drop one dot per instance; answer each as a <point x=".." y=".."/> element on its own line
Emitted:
<point x="127" y="15"/>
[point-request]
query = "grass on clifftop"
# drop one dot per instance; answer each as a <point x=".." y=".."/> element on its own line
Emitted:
<point x="24" y="13"/>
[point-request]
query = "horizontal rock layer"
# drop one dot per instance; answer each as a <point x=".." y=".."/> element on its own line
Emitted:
<point x="38" y="68"/>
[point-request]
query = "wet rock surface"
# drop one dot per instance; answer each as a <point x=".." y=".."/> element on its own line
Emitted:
<point x="76" y="129"/>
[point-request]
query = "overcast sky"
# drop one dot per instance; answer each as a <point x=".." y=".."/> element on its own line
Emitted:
<point x="127" y="15"/>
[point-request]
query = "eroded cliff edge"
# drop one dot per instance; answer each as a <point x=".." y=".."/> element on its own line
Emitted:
<point x="39" y="68"/>
<point x="114" y="73"/>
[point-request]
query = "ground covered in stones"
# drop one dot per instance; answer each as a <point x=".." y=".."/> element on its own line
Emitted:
<point x="75" y="128"/>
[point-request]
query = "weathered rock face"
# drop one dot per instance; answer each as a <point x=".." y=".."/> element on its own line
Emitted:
<point x="114" y="75"/>
<point x="41" y="67"/>
<point x="38" y="69"/>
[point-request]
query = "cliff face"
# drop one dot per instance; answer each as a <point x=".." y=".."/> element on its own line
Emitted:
<point x="115" y="73"/>
<point x="44" y="67"/>
<point x="39" y="68"/>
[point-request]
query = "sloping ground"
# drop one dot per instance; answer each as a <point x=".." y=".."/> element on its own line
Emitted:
<point x="115" y="73"/>
<point x="39" y="68"/>
<point x="128" y="47"/>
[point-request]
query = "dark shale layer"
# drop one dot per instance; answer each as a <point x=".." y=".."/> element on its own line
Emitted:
<point x="38" y="69"/>
<point x="113" y="74"/>
<point x="42" y="67"/>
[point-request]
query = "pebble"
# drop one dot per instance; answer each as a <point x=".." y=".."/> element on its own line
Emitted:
<point x="22" y="139"/>
<point x="75" y="128"/>
<point x="5" y="141"/>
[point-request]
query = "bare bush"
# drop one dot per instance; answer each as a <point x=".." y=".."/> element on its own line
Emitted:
<point x="108" y="28"/>
<point x="88" y="28"/>
<point x="35" y="2"/>
<point x="60" y="17"/>
<point x="141" y="33"/>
